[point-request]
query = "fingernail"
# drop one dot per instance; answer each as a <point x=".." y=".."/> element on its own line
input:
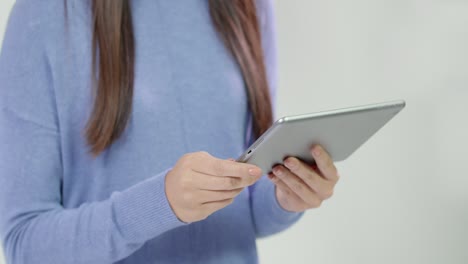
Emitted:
<point x="277" y="171"/>
<point x="255" y="171"/>
<point x="290" y="163"/>
<point x="317" y="151"/>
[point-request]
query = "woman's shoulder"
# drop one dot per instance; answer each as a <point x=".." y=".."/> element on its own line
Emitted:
<point x="35" y="23"/>
<point x="32" y="32"/>
<point x="45" y="17"/>
<point x="33" y="14"/>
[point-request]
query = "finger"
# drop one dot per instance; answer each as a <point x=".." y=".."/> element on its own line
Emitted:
<point x="313" y="166"/>
<point x="216" y="183"/>
<point x="302" y="170"/>
<point x="293" y="200"/>
<point x="213" y="196"/>
<point x="325" y="163"/>
<point x="296" y="184"/>
<point x="219" y="167"/>
<point x="212" y="207"/>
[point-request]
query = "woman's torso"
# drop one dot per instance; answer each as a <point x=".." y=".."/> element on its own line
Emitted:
<point x="188" y="96"/>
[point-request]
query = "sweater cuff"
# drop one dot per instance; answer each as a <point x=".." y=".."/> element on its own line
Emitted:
<point x="142" y="212"/>
<point x="274" y="209"/>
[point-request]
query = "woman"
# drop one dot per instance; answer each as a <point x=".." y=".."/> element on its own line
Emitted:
<point x="117" y="121"/>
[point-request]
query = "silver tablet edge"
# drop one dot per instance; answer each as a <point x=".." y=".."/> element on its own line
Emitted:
<point x="400" y="104"/>
<point x="257" y="142"/>
<point x="392" y="104"/>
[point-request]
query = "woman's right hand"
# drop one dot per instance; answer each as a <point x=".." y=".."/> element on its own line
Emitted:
<point x="200" y="184"/>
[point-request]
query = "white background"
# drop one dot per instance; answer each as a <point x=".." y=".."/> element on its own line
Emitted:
<point x="403" y="197"/>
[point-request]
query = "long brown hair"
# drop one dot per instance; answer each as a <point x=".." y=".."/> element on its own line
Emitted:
<point x="237" y="24"/>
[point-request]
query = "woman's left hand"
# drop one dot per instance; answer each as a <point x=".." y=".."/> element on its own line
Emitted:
<point x="300" y="186"/>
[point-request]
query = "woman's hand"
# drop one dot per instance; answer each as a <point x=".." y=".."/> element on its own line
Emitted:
<point x="200" y="184"/>
<point x="300" y="186"/>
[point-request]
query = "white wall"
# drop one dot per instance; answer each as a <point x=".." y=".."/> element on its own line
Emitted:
<point x="403" y="197"/>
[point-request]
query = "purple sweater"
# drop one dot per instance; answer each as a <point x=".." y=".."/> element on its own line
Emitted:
<point x="59" y="205"/>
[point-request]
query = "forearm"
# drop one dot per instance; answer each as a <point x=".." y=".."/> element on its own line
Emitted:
<point x="99" y="232"/>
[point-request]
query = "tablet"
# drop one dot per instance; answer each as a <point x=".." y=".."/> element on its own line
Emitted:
<point x="341" y="132"/>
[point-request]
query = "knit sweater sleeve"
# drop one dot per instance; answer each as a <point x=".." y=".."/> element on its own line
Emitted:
<point x="34" y="226"/>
